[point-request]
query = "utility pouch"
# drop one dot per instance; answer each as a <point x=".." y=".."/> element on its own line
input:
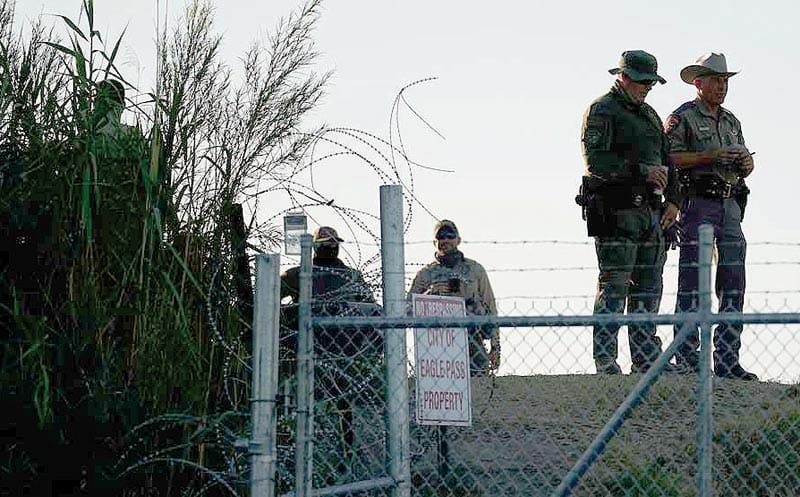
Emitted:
<point x="597" y="213"/>
<point x="742" y="192"/>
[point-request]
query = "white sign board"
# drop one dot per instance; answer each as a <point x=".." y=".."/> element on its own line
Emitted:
<point x="442" y="364"/>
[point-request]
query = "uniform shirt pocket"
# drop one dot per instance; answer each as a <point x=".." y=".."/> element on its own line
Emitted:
<point x="705" y="137"/>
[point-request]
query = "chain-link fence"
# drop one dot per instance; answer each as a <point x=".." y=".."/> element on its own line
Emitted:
<point x="529" y="432"/>
<point x="541" y="425"/>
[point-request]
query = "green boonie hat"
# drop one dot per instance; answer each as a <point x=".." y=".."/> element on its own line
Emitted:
<point x="445" y="226"/>
<point x="326" y="235"/>
<point x="639" y="66"/>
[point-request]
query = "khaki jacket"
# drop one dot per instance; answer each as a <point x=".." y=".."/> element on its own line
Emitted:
<point x="474" y="284"/>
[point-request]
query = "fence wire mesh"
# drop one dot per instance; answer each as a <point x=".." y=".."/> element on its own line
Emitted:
<point x="349" y="397"/>
<point x="533" y="420"/>
<point x="534" y="417"/>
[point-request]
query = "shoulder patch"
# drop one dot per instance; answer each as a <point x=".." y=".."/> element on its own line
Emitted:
<point x="596" y="120"/>
<point x="600" y="110"/>
<point x="596" y="132"/>
<point x="686" y="106"/>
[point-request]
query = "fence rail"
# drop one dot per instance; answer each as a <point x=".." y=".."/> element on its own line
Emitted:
<point x="553" y="434"/>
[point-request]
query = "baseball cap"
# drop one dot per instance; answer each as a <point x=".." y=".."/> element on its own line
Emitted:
<point x="326" y="234"/>
<point x="445" y="227"/>
<point x="639" y="66"/>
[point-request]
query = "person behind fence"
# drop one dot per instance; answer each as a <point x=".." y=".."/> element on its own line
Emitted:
<point x="332" y="278"/>
<point x="708" y="149"/>
<point x="453" y="274"/>
<point x="629" y="198"/>
<point x="347" y="360"/>
<point x="337" y="289"/>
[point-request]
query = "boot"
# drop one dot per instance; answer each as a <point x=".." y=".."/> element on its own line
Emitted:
<point x="736" y="372"/>
<point x="688" y="359"/>
<point x="607" y="367"/>
<point x="726" y="365"/>
<point x="670" y="369"/>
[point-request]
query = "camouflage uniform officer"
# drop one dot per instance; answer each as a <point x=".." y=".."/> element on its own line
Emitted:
<point x="708" y="149"/>
<point x="627" y="170"/>
<point x="453" y="274"/>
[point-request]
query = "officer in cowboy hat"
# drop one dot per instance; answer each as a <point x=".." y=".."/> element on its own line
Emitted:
<point x="630" y="197"/>
<point x="708" y="149"/>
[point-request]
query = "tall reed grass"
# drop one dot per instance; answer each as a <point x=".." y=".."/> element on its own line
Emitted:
<point x="125" y="294"/>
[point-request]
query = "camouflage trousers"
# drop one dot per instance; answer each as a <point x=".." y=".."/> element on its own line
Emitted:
<point x="631" y="262"/>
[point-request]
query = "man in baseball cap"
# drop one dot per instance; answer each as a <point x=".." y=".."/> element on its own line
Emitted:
<point x="336" y="290"/>
<point x="333" y="279"/>
<point x="453" y="274"/>
<point x="707" y="146"/>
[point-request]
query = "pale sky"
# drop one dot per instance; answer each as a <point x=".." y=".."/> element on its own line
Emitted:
<point x="514" y="78"/>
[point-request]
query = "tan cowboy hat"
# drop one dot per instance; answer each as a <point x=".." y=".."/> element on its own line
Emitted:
<point x="710" y="63"/>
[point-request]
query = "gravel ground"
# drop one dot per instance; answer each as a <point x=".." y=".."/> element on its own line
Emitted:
<point x="528" y="432"/>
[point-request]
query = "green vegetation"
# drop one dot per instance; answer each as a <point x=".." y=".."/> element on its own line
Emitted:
<point x="125" y="288"/>
<point x="760" y="460"/>
<point x="750" y="458"/>
<point x="645" y="479"/>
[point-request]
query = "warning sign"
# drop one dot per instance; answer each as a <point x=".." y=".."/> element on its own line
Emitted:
<point x="442" y="364"/>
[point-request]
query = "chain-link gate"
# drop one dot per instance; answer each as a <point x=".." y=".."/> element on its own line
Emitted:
<point x="552" y="434"/>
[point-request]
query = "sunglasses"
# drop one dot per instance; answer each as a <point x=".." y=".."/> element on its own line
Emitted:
<point x="647" y="82"/>
<point x="446" y="236"/>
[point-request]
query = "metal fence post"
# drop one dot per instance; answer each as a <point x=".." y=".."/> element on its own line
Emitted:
<point x="394" y="305"/>
<point x="266" y="323"/>
<point x="305" y="376"/>
<point x="705" y="391"/>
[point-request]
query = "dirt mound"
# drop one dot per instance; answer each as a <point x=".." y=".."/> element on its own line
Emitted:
<point x="529" y="431"/>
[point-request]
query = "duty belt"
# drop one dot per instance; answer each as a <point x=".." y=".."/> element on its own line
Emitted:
<point x="712" y="187"/>
<point x="630" y="197"/>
